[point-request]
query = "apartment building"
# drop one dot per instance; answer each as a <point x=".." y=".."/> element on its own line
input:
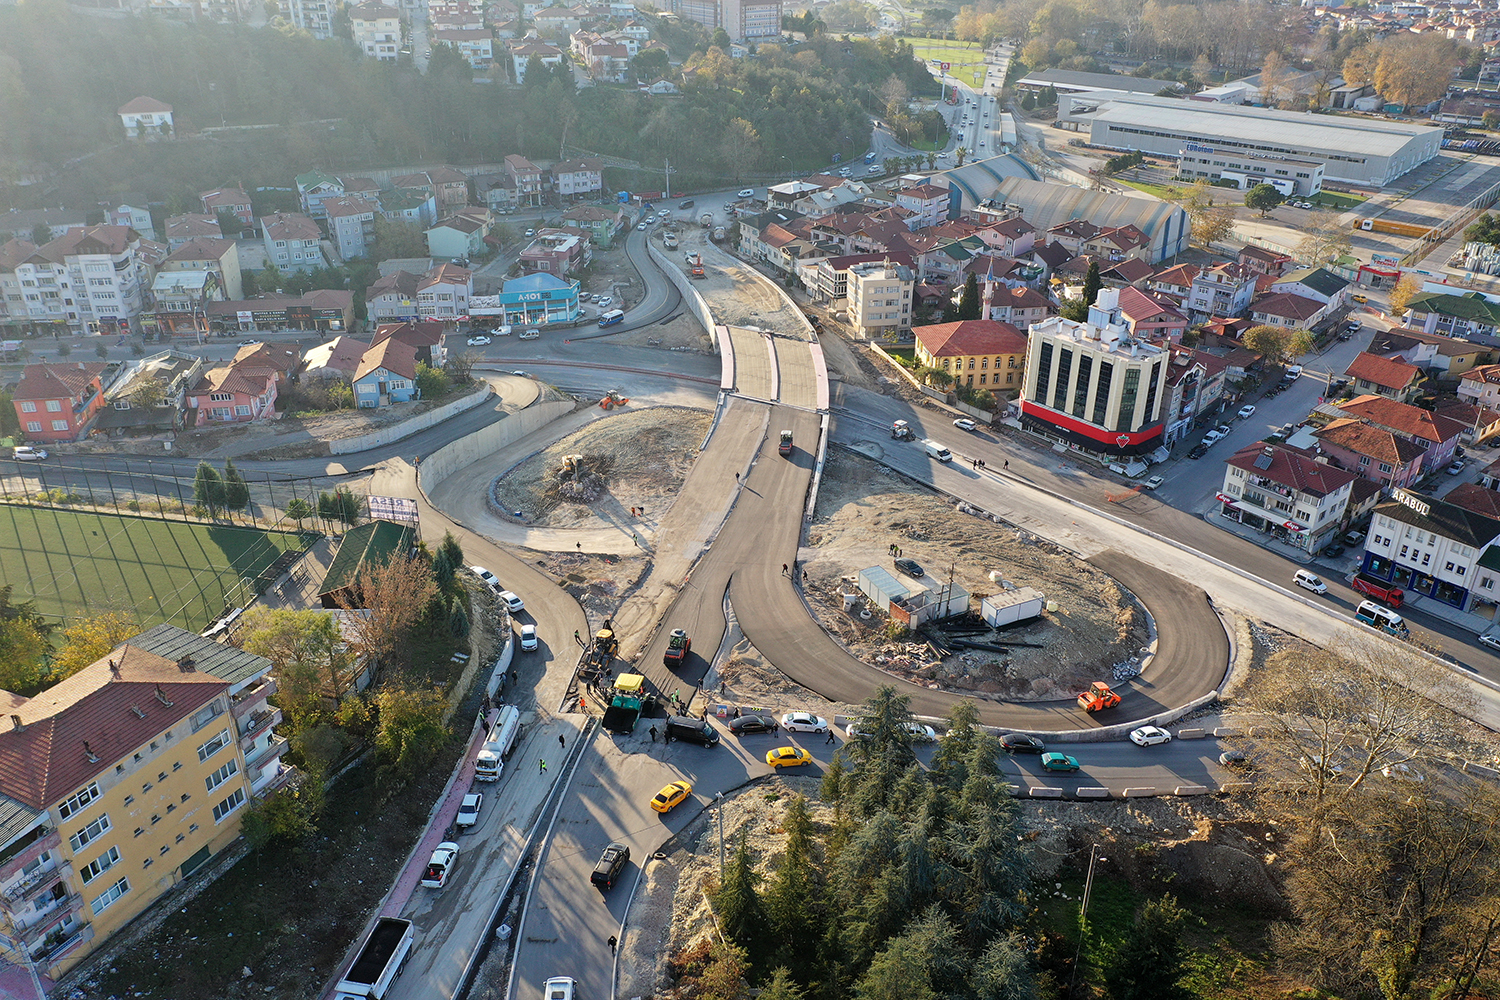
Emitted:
<point x="232" y="200"/>
<point x="209" y="254"/>
<point x="527" y="177"/>
<point x="376" y="29"/>
<point x="313" y="16"/>
<point x="123" y="780"/>
<point x="880" y="299"/>
<point x="291" y="241"/>
<point x="89" y="280"/>
<point x="1436" y="549"/>
<point x="351" y="224"/>
<point x="1286" y="491"/>
<point x="1223" y="290"/>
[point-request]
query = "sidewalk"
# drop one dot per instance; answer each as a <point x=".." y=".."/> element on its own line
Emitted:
<point x="1256" y="536"/>
<point x="1477" y="624"/>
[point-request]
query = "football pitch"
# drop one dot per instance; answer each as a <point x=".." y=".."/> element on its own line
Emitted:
<point x="77" y="563"/>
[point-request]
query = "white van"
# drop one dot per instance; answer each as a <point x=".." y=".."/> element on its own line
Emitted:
<point x="532" y="334"/>
<point x="937" y="451"/>
<point x="1310" y="581"/>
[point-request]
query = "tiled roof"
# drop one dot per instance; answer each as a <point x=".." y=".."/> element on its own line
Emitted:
<point x="1447" y="519"/>
<point x="1385" y="372"/>
<point x="446" y="274"/>
<point x="1400" y="338"/>
<point x="144" y="105"/>
<point x="1286" y="305"/>
<point x="421" y="334"/>
<point x="82" y="726"/>
<point x="190" y="226"/>
<point x="1473" y="497"/>
<point x="89" y="240"/>
<point x="341" y="354"/>
<point x="263" y="355"/>
<point x="1469" y="414"/>
<point x="393" y="354"/>
<point x="290" y="226"/>
<point x="1470" y="306"/>
<point x="202" y="248"/>
<point x="1026" y="298"/>
<point x="15" y="252"/>
<point x="1367" y="439"/>
<point x="1403" y="418"/>
<point x="57" y="380"/>
<point x="1480" y="373"/>
<point x="1180" y="276"/>
<point x="1261" y="254"/>
<point x="1291" y="468"/>
<point x="1129" y="270"/>
<point x="349" y="204"/>
<point x="1054" y="255"/>
<point x="970" y="337"/>
<point x="224" y="196"/>
<point x="403" y="283"/>
<point x="243" y="381"/>
<point x="372" y="11"/>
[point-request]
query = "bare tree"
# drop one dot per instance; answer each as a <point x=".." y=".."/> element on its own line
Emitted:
<point x="395" y="593"/>
<point x="1326" y="239"/>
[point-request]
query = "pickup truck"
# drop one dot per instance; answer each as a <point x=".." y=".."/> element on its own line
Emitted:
<point x="378" y="962"/>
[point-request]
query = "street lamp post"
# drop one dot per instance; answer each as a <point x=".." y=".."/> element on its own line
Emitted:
<point x="1083" y="911"/>
<point x="719" y="798"/>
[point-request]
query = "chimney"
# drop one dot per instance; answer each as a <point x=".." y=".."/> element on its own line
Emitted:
<point x="114" y="669"/>
<point x="161" y="696"/>
<point x="135" y="710"/>
<point x="15" y="721"/>
<point x="89" y="753"/>
<point x="186" y="664"/>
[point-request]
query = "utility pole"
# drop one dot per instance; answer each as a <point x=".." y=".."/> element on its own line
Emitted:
<point x="667" y="173"/>
<point x="719" y="798"/>
<point x="1083" y="912"/>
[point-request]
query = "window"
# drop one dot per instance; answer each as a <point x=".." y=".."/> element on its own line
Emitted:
<point x="213" y="746"/>
<point x="114" y="892"/>
<point x="100" y="865"/>
<point x="28" y="407"/>
<point x="89" y="833"/>
<point x="204" y="716"/>
<point x="229" y="805"/>
<point x="221" y="775"/>
<point x="78" y="800"/>
<point x="1426" y="558"/>
<point x="1364" y="460"/>
<point x="129" y="799"/>
<point x="54" y="406"/>
<point x="34" y="426"/>
<point x="59" y="425"/>
<point x="1449" y="567"/>
<point x="1385" y="467"/>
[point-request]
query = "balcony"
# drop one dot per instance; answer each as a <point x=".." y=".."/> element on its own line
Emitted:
<point x="31" y="927"/>
<point x="259" y="721"/>
<point x="276" y="748"/>
<point x="253" y="698"/>
<point x="46" y="840"/>
<point x="37" y="880"/>
<point x="54" y="951"/>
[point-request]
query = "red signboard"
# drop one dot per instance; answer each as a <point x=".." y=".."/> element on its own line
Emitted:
<point x="945" y="66"/>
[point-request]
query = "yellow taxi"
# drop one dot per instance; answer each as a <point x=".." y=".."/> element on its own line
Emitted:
<point x="672" y="796"/>
<point x="788" y="757"/>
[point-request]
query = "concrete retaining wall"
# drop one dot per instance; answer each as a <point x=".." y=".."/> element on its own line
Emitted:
<point x="406" y="428"/>
<point x="696" y="304"/>
<point x="467" y="450"/>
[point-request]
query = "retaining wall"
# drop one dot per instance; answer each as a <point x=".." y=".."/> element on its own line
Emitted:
<point x="406" y="428"/>
<point x="441" y="464"/>
<point x="696" y="304"/>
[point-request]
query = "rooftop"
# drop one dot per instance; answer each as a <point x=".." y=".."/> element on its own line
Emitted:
<point x="970" y="337"/>
<point x="1291" y="468"/>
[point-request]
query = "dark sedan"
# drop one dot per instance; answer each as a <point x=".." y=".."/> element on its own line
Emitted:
<point x="753" y="724"/>
<point x="1199" y="450"/>
<point x="1021" y="743"/>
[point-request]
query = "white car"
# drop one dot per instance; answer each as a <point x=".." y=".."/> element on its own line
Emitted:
<point x="1293" y="373"/>
<point x="747" y="193"/>
<point x="486" y="576"/>
<point x="606" y="301"/>
<point x="528" y="637"/>
<point x="875" y="168"/>
<point x="26" y="453"/>
<point x="479" y="340"/>
<point x="1247" y="411"/>
<point x="531" y="232"/>
<point x="804" y="722"/>
<point x="921" y="733"/>
<point x="1211" y="438"/>
<point x="1152" y="483"/>
<point x="558" y="988"/>
<point x="964" y="424"/>
<point x="511" y="600"/>
<point x="440" y="865"/>
<point x="468" y="810"/>
<point x="845" y="171"/>
<point x="1148" y="736"/>
<point x="1492" y="641"/>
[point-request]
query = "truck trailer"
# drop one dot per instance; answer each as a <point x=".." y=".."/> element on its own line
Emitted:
<point x="379" y="961"/>
<point x="498" y="745"/>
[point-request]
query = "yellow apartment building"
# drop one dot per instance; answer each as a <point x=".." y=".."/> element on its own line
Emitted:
<point x="120" y="782"/>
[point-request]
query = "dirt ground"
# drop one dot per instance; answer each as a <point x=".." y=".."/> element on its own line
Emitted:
<point x="641" y="458"/>
<point x="864" y="507"/>
<point x="598" y="582"/>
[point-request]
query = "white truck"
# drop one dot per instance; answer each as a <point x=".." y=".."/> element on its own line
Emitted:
<point x="937" y="451"/>
<point x="498" y="745"/>
<point x="378" y="962"/>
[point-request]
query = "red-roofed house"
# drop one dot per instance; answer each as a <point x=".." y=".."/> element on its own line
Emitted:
<point x="1438" y="435"/>
<point x="1120" y="243"/>
<point x="1150" y="319"/>
<point x="147" y="118"/>
<point x="386" y="374"/>
<point x="1476" y="499"/>
<point x="234" y="394"/>
<point x="1286" y="491"/>
<point x="1174" y="283"/>
<point x="1481" y="385"/>
<point x="1263" y="261"/>
<point x="927" y="203"/>
<point x="57" y="402"/>
<point x="976" y="352"/>
<point x="1384" y="376"/>
<point x="1291" y="311"/>
<point x="1020" y="307"/>
<point x="232" y="200"/>
<point x="1377" y="454"/>
<point x="1480" y="422"/>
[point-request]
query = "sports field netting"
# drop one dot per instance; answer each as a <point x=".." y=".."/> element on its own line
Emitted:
<point x="74" y="563"/>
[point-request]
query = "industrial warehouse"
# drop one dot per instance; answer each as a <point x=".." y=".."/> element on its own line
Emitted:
<point x="1352" y="150"/>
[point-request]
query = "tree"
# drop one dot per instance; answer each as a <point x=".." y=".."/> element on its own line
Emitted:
<point x="41" y="233"/>
<point x="1149" y="964"/>
<point x="208" y="488"/>
<point x="249" y="284"/>
<point x="1272" y="75"/>
<point x="312" y="660"/>
<point x="881" y="749"/>
<point x="741" y="145"/>
<point x="341" y="505"/>
<point x="1213" y="225"/>
<point x="738" y="905"/>
<point x="1092" y="283"/>
<point x="229" y="223"/>
<point x="22" y="647"/>
<point x="650" y="65"/>
<point x="724" y="977"/>
<point x="460" y="367"/>
<point x="782" y="986"/>
<point x="1326" y="239"/>
<point x="282" y="816"/>
<point x="147" y="393"/>
<point x="1409" y="286"/>
<point x="236" y="490"/>
<point x="411" y="728"/>
<point x="394" y="238"/>
<point x="791" y="921"/>
<point x="271" y="278"/>
<point x="1263" y="198"/>
<point x="1485" y="229"/>
<point x="431" y="382"/>
<point x="394" y="593"/>
<point x="1277" y="344"/>
<point x="1492" y="119"/>
<point x="969" y="303"/>
<point x="299" y="510"/>
<point x="720" y="40"/>
<point x="89" y="640"/>
<point x="1413" y="70"/>
<point x="451" y="548"/>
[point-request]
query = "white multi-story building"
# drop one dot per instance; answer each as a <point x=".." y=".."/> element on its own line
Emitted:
<point x="476" y="45"/>
<point x="578" y="178"/>
<point x="1435" y="549"/>
<point x="313" y="16"/>
<point x="1223" y="290"/>
<point x="443" y="293"/>
<point x="376" y="29"/>
<point x="291" y="241"/>
<point x="1093" y="386"/>
<point x="91" y="280"/>
<point x="927" y="203"/>
<point x="351" y="225"/>
<point x="1286" y="491"/>
<point x="147" y="118"/>
<point x="880" y="297"/>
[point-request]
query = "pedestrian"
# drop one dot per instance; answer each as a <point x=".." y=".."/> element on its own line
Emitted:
<point x="576" y="636"/>
<point x="562" y="744"/>
<point x="1006" y="465"/>
<point x="543" y="763"/>
<point x="675" y="694"/>
<point x="830" y="736"/>
<point x="736" y="477"/>
<point x="580" y="546"/>
<point x="612" y="944"/>
<point x="804" y="576"/>
<point x="653" y="734"/>
<point x="784" y="570"/>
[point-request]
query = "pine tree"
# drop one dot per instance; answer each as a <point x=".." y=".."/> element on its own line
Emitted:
<point x="782" y="986"/>
<point x="788" y="898"/>
<point x="208" y="488"/>
<point x="452" y="550"/>
<point x="1149" y="965"/>
<point x="442" y="569"/>
<point x="970" y="304"/>
<point x="236" y="490"/>
<point x="1092" y="283"/>
<point x="741" y="914"/>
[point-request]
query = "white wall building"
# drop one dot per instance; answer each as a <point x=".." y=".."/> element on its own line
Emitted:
<point x="351" y="224"/>
<point x="91" y="280"/>
<point x="880" y="298"/>
<point x="291" y="241"/>
<point x="376" y="29"/>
